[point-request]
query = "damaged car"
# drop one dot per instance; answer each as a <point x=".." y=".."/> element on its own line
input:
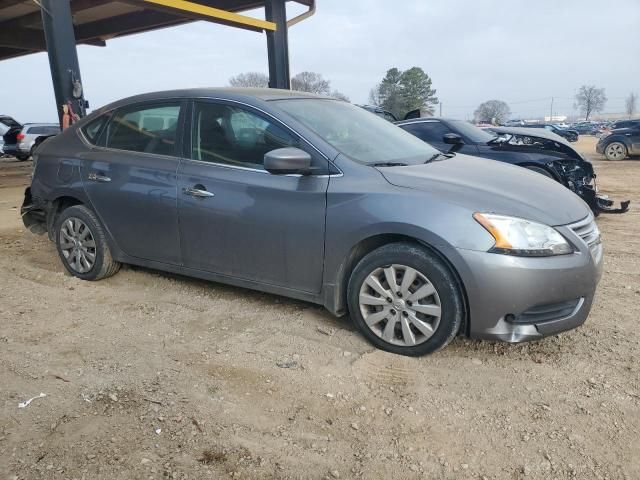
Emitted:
<point x="534" y="149"/>
<point x="316" y="199"/>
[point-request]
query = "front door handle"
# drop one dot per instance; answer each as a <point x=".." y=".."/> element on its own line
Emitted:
<point x="197" y="191"/>
<point x="98" y="177"/>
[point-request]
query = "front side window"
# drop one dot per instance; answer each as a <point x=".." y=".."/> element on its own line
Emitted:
<point x="471" y="132"/>
<point x="356" y="133"/>
<point x="235" y="136"/>
<point x="430" y="132"/>
<point x="147" y="129"/>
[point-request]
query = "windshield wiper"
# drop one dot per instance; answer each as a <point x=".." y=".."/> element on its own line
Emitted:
<point x="388" y="164"/>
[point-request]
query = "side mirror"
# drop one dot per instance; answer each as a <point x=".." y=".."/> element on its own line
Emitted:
<point x="453" y="139"/>
<point x="283" y="161"/>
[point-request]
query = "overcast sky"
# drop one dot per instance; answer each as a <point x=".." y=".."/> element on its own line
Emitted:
<point x="523" y="52"/>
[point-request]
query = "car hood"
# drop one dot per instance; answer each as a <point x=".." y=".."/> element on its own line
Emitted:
<point x="559" y="143"/>
<point x="531" y="132"/>
<point x="489" y="186"/>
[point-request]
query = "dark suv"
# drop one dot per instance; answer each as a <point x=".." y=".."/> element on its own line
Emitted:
<point x="623" y="140"/>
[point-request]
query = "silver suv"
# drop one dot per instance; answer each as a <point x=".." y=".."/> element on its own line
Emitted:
<point x="20" y="141"/>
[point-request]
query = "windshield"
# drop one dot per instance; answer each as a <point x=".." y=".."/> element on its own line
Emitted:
<point x="473" y="133"/>
<point x="357" y="133"/>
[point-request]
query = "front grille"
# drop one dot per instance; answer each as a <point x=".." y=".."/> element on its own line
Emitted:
<point x="546" y="313"/>
<point x="587" y="230"/>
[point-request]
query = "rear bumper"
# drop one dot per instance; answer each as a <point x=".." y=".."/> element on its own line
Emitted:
<point x="14" y="149"/>
<point x="34" y="213"/>
<point x="517" y="299"/>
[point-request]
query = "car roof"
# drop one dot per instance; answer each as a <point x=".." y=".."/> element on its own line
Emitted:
<point x="224" y="93"/>
<point x="34" y="124"/>
<point x="425" y="119"/>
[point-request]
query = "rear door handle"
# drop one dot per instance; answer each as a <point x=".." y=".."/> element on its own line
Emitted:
<point x="98" y="177"/>
<point x="197" y="191"/>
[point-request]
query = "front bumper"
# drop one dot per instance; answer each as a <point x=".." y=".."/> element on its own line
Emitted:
<point x="601" y="203"/>
<point x="517" y="299"/>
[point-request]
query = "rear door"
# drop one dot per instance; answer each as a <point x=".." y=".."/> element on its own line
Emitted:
<point x="236" y="218"/>
<point x="131" y="179"/>
<point x="634" y="138"/>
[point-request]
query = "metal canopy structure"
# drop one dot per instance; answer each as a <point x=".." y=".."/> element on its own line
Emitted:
<point x="56" y="26"/>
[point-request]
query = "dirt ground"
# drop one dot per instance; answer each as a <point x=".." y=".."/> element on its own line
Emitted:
<point x="150" y="375"/>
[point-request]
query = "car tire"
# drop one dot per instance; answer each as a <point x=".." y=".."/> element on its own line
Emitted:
<point x="22" y="158"/>
<point x="540" y="170"/>
<point x="420" y="316"/>
<point x="82" y="245"/>
<point x="615" y="151"/>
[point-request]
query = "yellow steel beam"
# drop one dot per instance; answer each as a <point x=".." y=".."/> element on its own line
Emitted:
<point x="215" y="14"/>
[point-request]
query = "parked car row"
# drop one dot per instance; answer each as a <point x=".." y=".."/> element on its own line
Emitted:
<point x="317" y="199"/>
<point x="22" y="140"/>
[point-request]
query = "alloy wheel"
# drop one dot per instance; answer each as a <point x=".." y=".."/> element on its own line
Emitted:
<point x="78" y="245"/>
<point x="616" y="151"/>
<point x="400" y="305"/>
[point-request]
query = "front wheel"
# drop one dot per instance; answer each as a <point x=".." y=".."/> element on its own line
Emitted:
<point x="540" y="170"/>
<point x="615" y="151"/>
<point x="405" y="300"/>
<point x="82" y="244"/>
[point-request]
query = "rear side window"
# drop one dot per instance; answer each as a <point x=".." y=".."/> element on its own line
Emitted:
<point x="43" y="130"/>
<point x="147" y="129"/>
<point x="92" y="129"/>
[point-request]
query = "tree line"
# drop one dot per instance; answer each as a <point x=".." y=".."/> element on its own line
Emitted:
<point x="310" y="82"/>
<point x="400" y="92"/>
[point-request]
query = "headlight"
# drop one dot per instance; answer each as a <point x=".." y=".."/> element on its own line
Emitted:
<point x="517" y="236"/>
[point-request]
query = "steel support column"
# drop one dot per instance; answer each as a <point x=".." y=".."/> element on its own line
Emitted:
<point x="57" y="22"/>
<point x="278" y="44"/>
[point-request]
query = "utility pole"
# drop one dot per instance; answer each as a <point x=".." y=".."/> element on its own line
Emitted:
<point x="440" y="109"/>
<point x="57" y="21"/>
<point x="551" y="113"/>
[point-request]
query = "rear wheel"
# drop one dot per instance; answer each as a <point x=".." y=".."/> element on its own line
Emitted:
<point x="82" y="245"/>
<point x="615" y="151"/>
<point x="405" y="300"/>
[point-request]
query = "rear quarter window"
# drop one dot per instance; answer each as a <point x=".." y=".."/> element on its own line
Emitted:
<point x="92" y="129"/>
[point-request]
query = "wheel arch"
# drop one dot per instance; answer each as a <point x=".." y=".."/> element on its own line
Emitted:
<point x="338" y="304"/>
<point x="544" y="167"/>
<point x="58" y="205"/>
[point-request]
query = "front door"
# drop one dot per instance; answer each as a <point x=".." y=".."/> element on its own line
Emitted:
<point x="131" y="180"/>
<point x="237" y="219"/>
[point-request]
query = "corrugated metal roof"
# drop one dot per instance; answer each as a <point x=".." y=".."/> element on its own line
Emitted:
<point x="97" y="21"/>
